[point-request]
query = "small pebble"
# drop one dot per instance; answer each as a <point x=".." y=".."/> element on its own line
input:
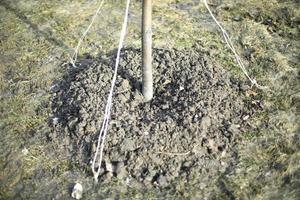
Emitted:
<point x="54" y="88"/>
<point x="110" y="167"/>
<point x="77" y="191"/>
<point x="162" y="181"/>
<point x="146" y="133"/>
<point x="25" y="151"/>
<point x="55" y="120"/>
<point x="205" y="123"/>
<point x="195" y="118"/>
<point x="165" y="106"/>
<point x="245" y="117"/>
<point x="237" y="18"/>
<point x="233" y="128"/>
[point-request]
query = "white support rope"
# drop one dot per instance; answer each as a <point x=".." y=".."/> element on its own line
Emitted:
<point x="231" y="47"/>
<point x="104" y="126"/>
<point x="75" y="54"/>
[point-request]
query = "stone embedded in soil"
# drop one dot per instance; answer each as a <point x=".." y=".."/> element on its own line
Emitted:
<point x="162" y="181"/>
<point x="205" y="123"/>
<point x="187" y="120"/>
<point x="77" y="191"/>
<point x="128" y="144"/>
<point x="233" y="128"/>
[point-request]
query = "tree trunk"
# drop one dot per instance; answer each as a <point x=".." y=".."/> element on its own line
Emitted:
<point x="147" y="50"/>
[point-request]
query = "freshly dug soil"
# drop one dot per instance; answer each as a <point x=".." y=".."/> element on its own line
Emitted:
<point x="187" y="131"/>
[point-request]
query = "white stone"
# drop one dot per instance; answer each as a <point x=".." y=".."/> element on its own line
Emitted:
<point x="77" y="191"/>
<point x="55" y="120"/>
<point x="109" y="167"/>
<point x="25" y="151"/>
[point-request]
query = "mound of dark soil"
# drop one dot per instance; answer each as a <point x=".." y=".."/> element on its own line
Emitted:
<point x="187" y="130"/>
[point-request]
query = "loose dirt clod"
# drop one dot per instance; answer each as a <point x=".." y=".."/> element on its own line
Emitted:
<point x="183" y="132"/>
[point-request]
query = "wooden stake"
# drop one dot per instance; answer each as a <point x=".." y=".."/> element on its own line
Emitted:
<point x="147" y="50"/>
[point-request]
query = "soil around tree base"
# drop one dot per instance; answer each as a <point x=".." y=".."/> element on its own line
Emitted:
<point x="187" y="132"/>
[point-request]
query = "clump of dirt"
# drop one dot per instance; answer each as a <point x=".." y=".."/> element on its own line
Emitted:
<point x="188" y="130"/>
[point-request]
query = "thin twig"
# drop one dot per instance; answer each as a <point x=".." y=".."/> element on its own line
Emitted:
<point x="173" y="153"/>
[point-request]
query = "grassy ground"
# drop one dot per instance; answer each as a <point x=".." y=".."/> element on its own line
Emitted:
<point x="36" y="37"/>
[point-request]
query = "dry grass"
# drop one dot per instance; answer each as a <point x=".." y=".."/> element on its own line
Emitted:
<point x="37" y="37"/>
